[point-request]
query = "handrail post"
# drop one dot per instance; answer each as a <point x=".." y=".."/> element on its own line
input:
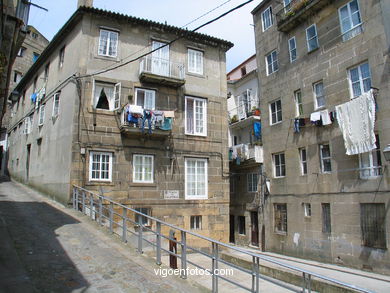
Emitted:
<point x="214" y="267"/>
<point x="100" y="210"/>
<point x="158" y="243"/>
<point x="83" y="202"/>
<point x="124" y="226"/>
<point x="309" y="283"/>
<point x="183" y="255"/>
<point x="91" y="205"/>
<point x="255" y="274"/>
<point x="74" y="197"/>
<point x="140" y="228"/>
<point x="77" y="199"/>
<point x="111" y="216"/>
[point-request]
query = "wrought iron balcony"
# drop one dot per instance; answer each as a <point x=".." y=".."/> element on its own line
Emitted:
<point x="297" y="11"/>
<point x="161" y="71"/>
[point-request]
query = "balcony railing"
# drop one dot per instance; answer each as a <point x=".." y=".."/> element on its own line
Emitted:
<point x="247" y="151"/>
<point x="297" y="11"/>
<point x="158" y="70"/>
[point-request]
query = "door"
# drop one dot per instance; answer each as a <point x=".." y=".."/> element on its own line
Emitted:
<point x="28" y="161"/>
<point x="254" y="229"/>
<point x="160" y="59"/>
<point x="231" y="234"/>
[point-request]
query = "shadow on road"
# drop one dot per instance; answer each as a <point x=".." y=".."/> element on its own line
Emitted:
<point x="31" y="257"/>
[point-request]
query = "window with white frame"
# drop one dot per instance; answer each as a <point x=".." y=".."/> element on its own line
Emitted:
<point x="61" y="58"/>
<point x="100" y="166"/>
<point x="21" y="51"/>
<point x="106" y="96"/>
<point x="292" y="47"/>
<point x="56" y="104"/>
<point x="196" y="116"/>
<point x="360" y="79"/>
<point x="275" y="109"/>
<point x="28" y="121"/>
<point x="279" y="165"/>
<point x="303" y="160"/>
<point x="350" y="21"/>
<point x="287" y="5"/>
<point x="195" y="61"/>
<point x="325" y="157"/>
<point x="41" y="117"/>
<point x="371" y="162"/>
<point x="145" y="98"/>
<point x="17" y="76"/>
<point x="307" y="209"/>
<point x="319" y="97"/>
<point x="266" y="17"/>
<point x="108" y="43"/>
<point x="298" y="103"/>
<point x="252" y="180"/>
<point x="312" y="38"/>
<point x="280" y="218"/>
<point x="272" y="62"/>
<point x="196" y="178"/>
<point x="143" y="168"/>
<point x="196" y="222"/>
<point x="46" y="72"/>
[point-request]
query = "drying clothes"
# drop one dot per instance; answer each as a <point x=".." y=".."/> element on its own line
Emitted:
<point x="135" y="109"/>
<point x="356" y="120"/>
<point x="33" y="97"/>
<point x="158" y="116"/>
<point x="325" y="117"/>
<point x="167" y="125"/>
<point x="296" y="125"/>
<point x="147" y="116"/>
<point x="332" y="116"/>
<point x="315" y="116"/>
<point x="257" y="129"/>
<point x="132" y="118"/>
<point x="302" y="122"/>
<point x="169" y="114"/>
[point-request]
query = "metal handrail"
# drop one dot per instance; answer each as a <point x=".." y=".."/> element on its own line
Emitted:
<point x="89" y="202"/>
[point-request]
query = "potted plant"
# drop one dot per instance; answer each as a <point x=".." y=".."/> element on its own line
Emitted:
<point x="234" y="119"/>
<point x="255" y="111"/>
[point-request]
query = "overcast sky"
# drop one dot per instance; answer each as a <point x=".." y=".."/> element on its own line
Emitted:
<point x="235" y="27"/>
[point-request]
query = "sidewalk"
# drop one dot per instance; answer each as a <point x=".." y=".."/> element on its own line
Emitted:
<point x="367" y="280"/>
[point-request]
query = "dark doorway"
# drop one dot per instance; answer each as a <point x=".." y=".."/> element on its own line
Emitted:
<point x="28" y="161"/>
<point x="254" y="229"/>
<point x="231" y="234"/>
<point x="262" y="238"/>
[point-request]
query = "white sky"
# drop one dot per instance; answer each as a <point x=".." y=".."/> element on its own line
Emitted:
<point x="235" y="27"/>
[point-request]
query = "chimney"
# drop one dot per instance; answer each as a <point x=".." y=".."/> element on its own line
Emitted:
<point x="87" y="3"/>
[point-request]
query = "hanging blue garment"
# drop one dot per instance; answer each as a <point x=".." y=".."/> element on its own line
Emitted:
<point x="33" y="97"/>
<point x="296" y="125"/>
<point x="132" y="119"/>
<point x="147" y="116"/>
<point x="167" y="125"/>
<point x="257" y="129"/>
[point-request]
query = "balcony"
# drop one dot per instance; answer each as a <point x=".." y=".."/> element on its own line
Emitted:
<point x="298" y="11"/>
<point x="159" y="130"/>
<point x="246" y="152"/>
<point x="161" y="71"/>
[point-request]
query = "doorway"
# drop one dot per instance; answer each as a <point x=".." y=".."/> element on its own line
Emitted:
<point x="254" y="229"/>
<point x="28" y="161"/>
<point x="231" y="234"/>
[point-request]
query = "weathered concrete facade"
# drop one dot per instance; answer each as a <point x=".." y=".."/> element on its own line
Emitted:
<point x="322" y="210"/>
<point x="62" y="148"/>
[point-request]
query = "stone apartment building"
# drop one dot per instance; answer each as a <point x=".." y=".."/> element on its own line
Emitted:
<point x="314" y="57"/>
<point x="83" y="104"/>
<point x="246" y="155"/>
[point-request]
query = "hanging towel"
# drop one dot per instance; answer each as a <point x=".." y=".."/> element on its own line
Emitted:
<point x="135" y="109"/>
<point x="356" y="120"/>
<point x="315" y="117"/>
<point x="167" y="125"/>
<point x="169" y="114"/>
<point x="257" y="129"/>
<point x="325" y="117"/>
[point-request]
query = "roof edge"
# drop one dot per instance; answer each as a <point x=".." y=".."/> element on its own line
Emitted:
<point x="261" y="5"/>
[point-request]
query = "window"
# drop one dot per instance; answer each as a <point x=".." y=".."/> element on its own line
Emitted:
<point x="196" y="222"/>
<point x="61" y="57"/>
<point x="298" y="103"/>
<point x="372" y="222"/>
<point x="371" y="163"/>
<point x="21" y="51"/>
<point x="34" y="35"/>
<point x="326" y="165"/>
<point x="145" y="98"/>
<point x="292" y="47"/>
<point x="303" y="161"/>
<point x="272" y="62"/>
<point x="275" y="109"/>
<point x="266" y="17"/>
<point x="41" y="116"/>
<point x="196" y="178"/>
<point x="253" y="179"/>
<point x="195" y="61"/>
<point x="142" y="220"/>
<point x="287" y="5"/>
<point x="241" y="225"/>
<point x="196" y="116"/>
<point x="311" y="38"/>
<point x="35" y="57"/>
<point x="17" y="76"/>
<point x="243" y="71"/>
<point x="326" y="224"/>
<point x="100" y="166"/>
<point x="350" y="20"/>
<point x="27" y="124"/>
<point x="46" y="73"/>
<point x="107" y="96"/>
<point x="319" y="97"/>
<point x="35" y="84"/>
<point x="280" y="212"/>
<point x="279" y="165"/>
<point x="307" y="210"/>
<point x="56" y="104"/>
<point x="360" y="79"/>
<point x="108" y="43"/>
<point x="143" y="168"/>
